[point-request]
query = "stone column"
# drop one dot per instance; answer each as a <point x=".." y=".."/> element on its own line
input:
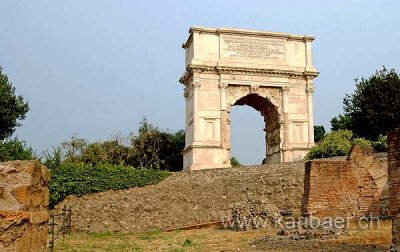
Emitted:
<point x="186" y="94"/>
<point x="196" y="87"/>
<point x="310" y="91"/>
<point x="286" y="143"/>
<point x="222" y="89"/>
<point x="224" y="116"/>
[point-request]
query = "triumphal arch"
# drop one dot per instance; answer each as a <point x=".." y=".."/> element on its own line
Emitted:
<point x="271" y="72"/>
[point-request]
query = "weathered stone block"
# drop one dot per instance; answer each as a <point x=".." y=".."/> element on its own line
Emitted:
<point x="22" y="194"/>
<point x="39" y="217"/>
<point x="23" y="206"/>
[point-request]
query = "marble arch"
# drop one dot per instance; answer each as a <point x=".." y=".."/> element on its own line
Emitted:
<point x="271" y="72"/>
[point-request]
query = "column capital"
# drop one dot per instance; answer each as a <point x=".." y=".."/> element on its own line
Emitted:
<point x="310" y="90"/>
<point x="285" y="90"/>
<point x="222" y="86"/>
<point x="281" y="120"/>
<point x="196" y="84"/>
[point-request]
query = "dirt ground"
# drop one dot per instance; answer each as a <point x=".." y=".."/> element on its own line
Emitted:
<point x="213" y="239"/>
<point x="359" y="239"/>
<point x="137" y="219"/>
<point x="187" y="198"/>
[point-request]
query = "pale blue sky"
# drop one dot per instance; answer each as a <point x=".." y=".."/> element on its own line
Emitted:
<point x="96" y="67"/>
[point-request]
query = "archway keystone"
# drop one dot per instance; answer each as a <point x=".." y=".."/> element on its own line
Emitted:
<point x="271" y="72"/>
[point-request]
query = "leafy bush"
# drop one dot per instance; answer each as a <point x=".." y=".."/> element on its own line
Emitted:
<point x="336" y="143"/>
<point x="109" y="152"/>
<point x="80" y="179"/>
<point x="364" y="143"/>
<point x="235" y="162"/>
<point x="380" y="145"/>
<point x="14" y="149"/>
<point x="150" y="148"/>
<point x="51" y="160"/>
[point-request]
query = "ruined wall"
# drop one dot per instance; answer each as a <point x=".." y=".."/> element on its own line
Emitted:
<point x="345" y="188"/>
<point x="394" y="170"/>
<point x="394" y="184"/>
<point x="24" y="198"/>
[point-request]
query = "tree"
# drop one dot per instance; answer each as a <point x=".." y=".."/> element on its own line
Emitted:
<point x="341" y="122"/>
<point x="319" y="133"/>
<point x="73" y="148"/>
<point x="171" y="146"/>
<point x="12" y="107"/>
<point x="146" y="146"/>
<point x="158" y="149"/>
<point x="374" y="108"/>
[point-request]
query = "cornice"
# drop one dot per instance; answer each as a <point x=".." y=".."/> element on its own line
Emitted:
<point x="241" y="32"/>
<point x="191" y="69"/>
<point x="188" y="41"/>
<point x="251" y="33"/>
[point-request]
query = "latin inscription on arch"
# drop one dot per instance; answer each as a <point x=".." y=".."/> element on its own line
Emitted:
<point x="256" y="49"/>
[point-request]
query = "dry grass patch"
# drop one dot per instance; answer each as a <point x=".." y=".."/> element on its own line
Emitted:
<point x="220" y="240"/>
<point x="155" y="240"/>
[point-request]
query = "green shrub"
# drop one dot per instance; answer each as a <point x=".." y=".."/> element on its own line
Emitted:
<point x="188" y="243"/>
<point x="336" y="143"/>
<point x="51" y="160"/>
<point x="364" y="143"/>
<point x="14" y="149"/>
<point x="107" y="152"/>
<point x="80" y="179"/>
<point x="235" y="162"/>
<point x="380" y="145"/>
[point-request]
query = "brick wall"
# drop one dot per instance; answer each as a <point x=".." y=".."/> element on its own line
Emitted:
<point x="24" y="198"/>
<point x="345" y="188"/>
<point x="394" y="170"/>
<point x="394" y="184"/>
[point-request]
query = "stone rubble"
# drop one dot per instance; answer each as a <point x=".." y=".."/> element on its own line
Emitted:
<point x="253" y="214"/>
<point x="311" y="229"/>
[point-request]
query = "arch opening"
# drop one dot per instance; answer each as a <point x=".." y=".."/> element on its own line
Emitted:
<point x="247" y="139"/>
<point x="272" y="129"/>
